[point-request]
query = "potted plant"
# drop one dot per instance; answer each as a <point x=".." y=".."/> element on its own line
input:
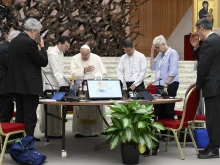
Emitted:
<point x="132" y="125"/>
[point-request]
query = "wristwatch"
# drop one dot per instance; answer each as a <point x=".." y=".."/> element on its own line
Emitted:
<point x="165" y="86"/>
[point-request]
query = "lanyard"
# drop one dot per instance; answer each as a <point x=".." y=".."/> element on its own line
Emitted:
<point x="131" y="66"/>
<point x="162" y="59"/>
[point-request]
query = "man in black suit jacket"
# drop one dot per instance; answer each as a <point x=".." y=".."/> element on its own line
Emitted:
<point x="208" y="79"/>
<point x="26" y="57"/>
<point x="6" y="100"/>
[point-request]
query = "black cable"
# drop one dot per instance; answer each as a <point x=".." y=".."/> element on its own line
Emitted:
<point x="105" y="142"/>
<point x="103" y="116"/>
<point x="47" y="79"/>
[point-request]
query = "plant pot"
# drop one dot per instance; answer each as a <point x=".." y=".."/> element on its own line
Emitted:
<point x="129" y="153"/>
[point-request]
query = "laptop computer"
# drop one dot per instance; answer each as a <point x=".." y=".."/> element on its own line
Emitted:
<point x="64" y="89"/>
<point x="104" y="89"/>
<point x="58" y="96"/>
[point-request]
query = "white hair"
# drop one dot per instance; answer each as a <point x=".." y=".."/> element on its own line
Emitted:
<point x="32" y="24"/>
<point x="159" y="40"/>
<point x="13" y="34"/>
<point x="0" y="34"/>
<point x="217" y="31"/>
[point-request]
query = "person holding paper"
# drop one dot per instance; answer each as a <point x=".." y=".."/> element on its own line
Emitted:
<point x="165" y="66"/>
<point x="53" y="78"/>
<point x="87" y="121"/>
<point x="26" y="56"/>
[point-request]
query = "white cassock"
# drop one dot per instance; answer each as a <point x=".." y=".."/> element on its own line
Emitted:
<point x="54" y="73"/>
<point x="132" y="68"/>
<point x="86" y="119"/>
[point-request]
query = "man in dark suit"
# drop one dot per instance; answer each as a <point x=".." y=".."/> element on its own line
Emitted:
<point x="208" y="79"/>
<point x="6" y="100"/>
<point x="26" y="57"/>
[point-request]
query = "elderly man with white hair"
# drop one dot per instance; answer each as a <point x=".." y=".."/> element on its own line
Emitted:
<point x="6" y="100"/>
<point x="86" y="119"/>
<point x="26" y="57"/>
<point x="165" y="66"/>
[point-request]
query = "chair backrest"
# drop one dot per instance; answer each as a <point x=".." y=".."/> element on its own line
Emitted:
<point x="190" y="105"/>
<point x="151" y="88"/>
<point x="189" y="87"/>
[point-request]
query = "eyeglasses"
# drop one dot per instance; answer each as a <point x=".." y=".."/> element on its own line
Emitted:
<point x="197" y="30"/>
<point x="128" y="50"/>
<point x="158" y="47"/>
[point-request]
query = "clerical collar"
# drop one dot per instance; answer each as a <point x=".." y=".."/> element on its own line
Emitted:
<point x="58" y="50"/>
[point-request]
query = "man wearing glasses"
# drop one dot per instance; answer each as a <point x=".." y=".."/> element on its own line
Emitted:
<point x="208" y="81"/>
<point x="132" y="67"/>
<point x="24" y="74"/>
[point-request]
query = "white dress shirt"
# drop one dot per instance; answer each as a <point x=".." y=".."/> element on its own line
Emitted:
<point x="54" y="69"/>
<point x="132" y="68"/>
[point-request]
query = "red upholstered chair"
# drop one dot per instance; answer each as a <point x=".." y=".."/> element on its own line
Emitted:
<point x="8" y="129"/>
<point x="189" y="110"/>
<point x="151" y="88"/>
<point x="199" y="119"/>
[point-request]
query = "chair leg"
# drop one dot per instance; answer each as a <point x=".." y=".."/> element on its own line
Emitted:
<point x="193" y="140"/>
<point x="1" y="142"/>
<point x="184" y="139"/>
<point x="178" y="144"/>
<point x="3" y="149"/>
<point x="167" y="141"/>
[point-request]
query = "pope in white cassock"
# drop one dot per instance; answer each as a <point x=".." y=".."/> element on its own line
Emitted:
<point x="54" y="73"/>
<point x="86" y="119"/>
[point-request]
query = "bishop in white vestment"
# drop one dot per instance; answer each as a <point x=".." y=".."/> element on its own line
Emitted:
<point x="86" y="119"/>
<point x="132" y="67"/>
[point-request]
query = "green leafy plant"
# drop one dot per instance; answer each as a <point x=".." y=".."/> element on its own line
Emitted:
<point x="133" y="123"/>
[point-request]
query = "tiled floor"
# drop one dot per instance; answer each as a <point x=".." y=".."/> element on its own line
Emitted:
<point x="80" y="151"/>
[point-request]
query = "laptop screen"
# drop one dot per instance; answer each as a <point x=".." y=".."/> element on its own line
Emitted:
<point x="104" y="89"/>
<point x="64" y="89"/>
<point x="58" y="96"/>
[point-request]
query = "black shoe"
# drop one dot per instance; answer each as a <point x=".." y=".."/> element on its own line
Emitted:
<point x="204" y="151"/>
<point x="83" y="136"/>
<point x="208" y="155"/>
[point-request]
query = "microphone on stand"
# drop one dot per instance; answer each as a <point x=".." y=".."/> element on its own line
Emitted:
<point x="142" y="79"/>
<point x="48" y="93"/>
<point x="160" y="89"/>
<point x="154" y="81"/>
<point x="47" y="80"/>
<point x="135" y="92"/>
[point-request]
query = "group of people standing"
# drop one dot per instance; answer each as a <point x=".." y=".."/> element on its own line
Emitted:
<point x="31" y="69"/>
<point x="26" y="61"/>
